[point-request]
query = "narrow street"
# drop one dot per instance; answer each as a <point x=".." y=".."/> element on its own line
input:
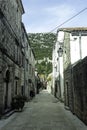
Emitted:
<point x="44" y="112"/>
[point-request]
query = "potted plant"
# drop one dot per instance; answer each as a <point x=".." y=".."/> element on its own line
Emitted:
<point x="18" y="102"/>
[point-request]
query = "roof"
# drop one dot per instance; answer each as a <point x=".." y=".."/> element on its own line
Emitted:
<point x="74" y="30"/>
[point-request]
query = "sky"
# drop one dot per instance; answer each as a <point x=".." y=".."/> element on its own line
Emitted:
<point x="45" y="15"/>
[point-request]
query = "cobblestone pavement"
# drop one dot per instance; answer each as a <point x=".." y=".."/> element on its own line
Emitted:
<point x="44" y="112"/>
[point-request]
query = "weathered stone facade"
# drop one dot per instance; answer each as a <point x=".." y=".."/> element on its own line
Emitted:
<point x="11" y="57"/>
<point x="80" y="89"/>
<point x="75" y="75"/>
<point x="68" y="90"/>
<point x="13" y="11"/>
<point x="29" y="64"/>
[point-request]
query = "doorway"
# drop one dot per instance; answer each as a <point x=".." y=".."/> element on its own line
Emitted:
<point x="7" y="78"/>
<point x="67" y="93"/>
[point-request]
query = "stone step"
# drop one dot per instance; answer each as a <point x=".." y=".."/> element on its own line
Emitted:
<point x="7" y="114"/>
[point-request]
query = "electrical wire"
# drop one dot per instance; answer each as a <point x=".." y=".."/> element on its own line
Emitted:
<point x="68" y="20"/>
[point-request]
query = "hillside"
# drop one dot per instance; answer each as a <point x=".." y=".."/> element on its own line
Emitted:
<point x="42" y="44"/>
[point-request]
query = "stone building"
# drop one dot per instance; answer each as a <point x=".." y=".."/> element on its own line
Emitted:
<point x="80" y="89"/>
<point x="55" y="75"/>
<point x="68" y="95"/>
<point x="58" y="78"/>
<point x="25" y="72"/>
<point x="29" y="64"/>
<point x="11" y="52"/>
<point x="74" y="69"/>
<point x="32" y="72"/>
<point x="69" y="69"/>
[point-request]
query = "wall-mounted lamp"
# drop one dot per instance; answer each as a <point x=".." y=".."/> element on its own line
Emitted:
<point x="60" y="51"/>
<point x="75" y="38"/>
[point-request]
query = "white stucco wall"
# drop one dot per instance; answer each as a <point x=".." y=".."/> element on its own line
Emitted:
<point x="60" y="37"/>
<point x="58" y="63"/>
<point x="61" y="77"/>
<point x="75" y="49"/>
<point x="84" y="46"/>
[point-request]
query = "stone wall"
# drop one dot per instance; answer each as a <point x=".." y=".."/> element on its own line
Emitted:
<point x="14" y="54"/>
<point x="68" y="91"/>
<point x="13" y="15"/>
<point x="8" y="43"/>
<point x="80" y="89"/>
<point x="11" y="56"/>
